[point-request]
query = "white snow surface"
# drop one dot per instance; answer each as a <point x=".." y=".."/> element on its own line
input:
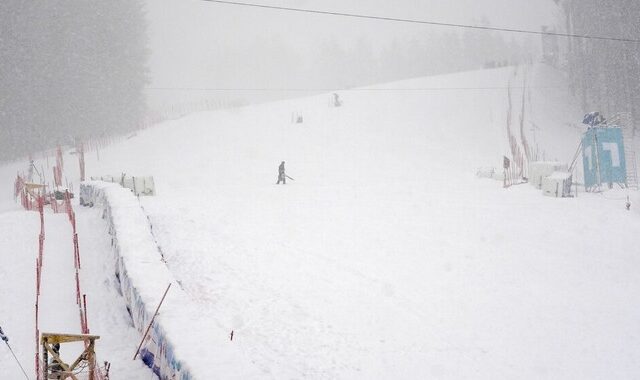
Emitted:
<point x="143" y="268"/>
<point x="386" y="257"/>
<point x="58" y="310"/>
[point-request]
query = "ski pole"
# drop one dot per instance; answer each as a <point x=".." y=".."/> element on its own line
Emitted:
<point x="289" y="177"/>
<point x="6" y="341"/>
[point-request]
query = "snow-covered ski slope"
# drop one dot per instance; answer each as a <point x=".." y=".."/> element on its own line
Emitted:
<point x="387" y="257"/>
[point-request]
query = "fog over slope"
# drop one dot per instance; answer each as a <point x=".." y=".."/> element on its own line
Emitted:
<point x="207" y="45"/>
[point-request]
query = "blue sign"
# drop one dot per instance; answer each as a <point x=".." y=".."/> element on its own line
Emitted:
<point x="603" y="157"/>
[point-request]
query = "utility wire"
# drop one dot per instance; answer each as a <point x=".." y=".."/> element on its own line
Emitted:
<point x="18" y="361"/>
<point x="342" y="89"/>
<point x="6" y="341"/>
<point x="425" y="22"/>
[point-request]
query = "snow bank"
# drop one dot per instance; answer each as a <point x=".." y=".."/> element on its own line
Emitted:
<point x="172" y="349"/>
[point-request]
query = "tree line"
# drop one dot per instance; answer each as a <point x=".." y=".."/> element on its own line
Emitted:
<point x="271" y="63"/>
<point x="605" y="75"/>
<point x="69" y="70"/>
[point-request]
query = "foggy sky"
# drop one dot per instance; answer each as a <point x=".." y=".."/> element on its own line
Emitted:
<point x="184" y="34"/>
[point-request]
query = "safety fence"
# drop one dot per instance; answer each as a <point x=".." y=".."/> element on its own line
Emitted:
<point x="57" y="175"/>
<point x="80" y="151"/>
<point x="28" y="198"/>
<point x="59" y="157"/>
<point x="57" y="206"/>
<point x="134" y="250"/>
<point x="31" y="195"/>
<point x="41" y="238"/>
<point x="515" y="169"/>
<point x="81" y="298"/>
<point x="37" y="203"/>
<point x="178" y="110"/>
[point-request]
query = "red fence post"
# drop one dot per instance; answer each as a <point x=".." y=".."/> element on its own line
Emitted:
<point x="76" y="249"/>
<point x="77" y="288"/>
<point x="59" y="158"/>
<point x="41" y="238"/>
<point x="86" y="323"/>
<point x="81" y="159"/>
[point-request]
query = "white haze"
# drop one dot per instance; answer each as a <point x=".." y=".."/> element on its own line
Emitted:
<point x="200" y="44"/>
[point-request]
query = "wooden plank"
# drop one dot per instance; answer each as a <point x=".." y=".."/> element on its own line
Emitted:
<point x="67" y="338"/>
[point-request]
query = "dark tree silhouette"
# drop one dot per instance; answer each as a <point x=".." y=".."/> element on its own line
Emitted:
<point x="69" y="70"/>
<point x="604" y="74"/>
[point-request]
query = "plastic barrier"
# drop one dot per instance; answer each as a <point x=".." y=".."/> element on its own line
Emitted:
<point x="181" y="344"/>
<point x="140" y="186"/>
<point x="133" y="244"/>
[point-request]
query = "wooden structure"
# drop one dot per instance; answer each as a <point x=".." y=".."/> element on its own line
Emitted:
<point x="64" y="371"/>
<point x="35" y="190"/>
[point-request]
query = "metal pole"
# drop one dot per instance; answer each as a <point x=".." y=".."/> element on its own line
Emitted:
<point x="595" y="140"/>
<point x="151" y="322"/>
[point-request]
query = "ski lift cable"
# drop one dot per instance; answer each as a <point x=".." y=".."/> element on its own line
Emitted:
<point x="426" y="22"/>
<point x="380" y="89"/>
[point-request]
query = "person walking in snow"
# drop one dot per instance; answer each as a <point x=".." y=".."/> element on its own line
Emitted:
<point x="281" y="176"/>
<point x="336" y="100"/>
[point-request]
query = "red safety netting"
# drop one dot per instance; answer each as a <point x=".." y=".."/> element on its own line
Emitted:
<point x="41" y="238"/>
<point x="31" y="203"/>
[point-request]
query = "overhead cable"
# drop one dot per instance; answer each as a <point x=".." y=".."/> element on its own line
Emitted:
<point x="426" y="22"/>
